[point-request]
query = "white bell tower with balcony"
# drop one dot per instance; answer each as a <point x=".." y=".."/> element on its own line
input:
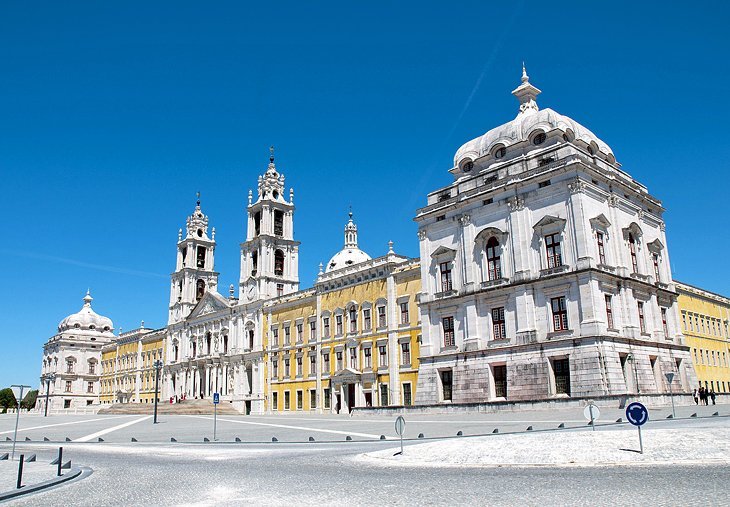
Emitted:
<point x="269" y="256"/>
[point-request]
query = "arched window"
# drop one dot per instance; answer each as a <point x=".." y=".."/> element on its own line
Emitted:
<point x="278" y="263"/>
<point x="632" y="249"/>
<point x="278" y="223"/>
<point x="254" y="263"/>
<point x="494" y="271"/>
<point x="257" y="223"/>
<point x="199" y="289"/>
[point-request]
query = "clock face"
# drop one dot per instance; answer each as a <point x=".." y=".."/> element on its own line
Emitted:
<point x="251" y="291"/>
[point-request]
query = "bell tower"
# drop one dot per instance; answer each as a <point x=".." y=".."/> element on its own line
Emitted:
<point x="269" y="256"/>
<point x="194" y="272"/>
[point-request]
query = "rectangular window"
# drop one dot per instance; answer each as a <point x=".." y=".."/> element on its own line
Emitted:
<point x="381" y="316"/>
<point x="552" y="248"/>
<point x="353" y="319"/>
<point x="287" y="401"/>
<point x="326" y="396"/>
<point x="407" y="397"/>
<point x="664" y="322"/>
<point x="300" y="400"/>
<point x="561" y="368"/>
<point x="326" y="364"/>
<point x="200" y="260"/>
<point x="287" y="366"/>
<point x="609" y="312"/>
<point x="312" y="364"/>
<point x="300" y="332"/>
<point x="275" y="337"/>
<point x="68" y="386"/>
<point x="655" y="259"/>
<point x="274" y="401"/>
<point x="446" y="384"/>
<point x="642" y="326"/>
<point x="287" y="335"/>
<point x="560" y="314"/>
<point x="601" y="248"/>
<point x="405" y="353"/>
<point x="278" y="223"/>
<point x="299" y="366"/>
<point x="445" y="276"/>
<point x="500" y="380"/>
<point x="338" y="324"/>
<point x="312" y="398"/>
<point x="367" y="354"/>
<point x="447" y="323"/>
<point x="69" y="366"/>
<point x="90" y="387"/>
<point x="498" y="325"/>
<point x="275" y="369"/>
<point x="383" y="395"/>
<point x="279" y="289"/>
<point x="404" y="319"/>
<point x="326" y="326"/>
<point x="353" y="358"/>
<point x="339" y="360"/>
<point x="312" y="330"/>
<point x="92" y="368"/>
<point x="367" y="322"/>
<point x="383" y="353"/>
<point x="684" y="321"/>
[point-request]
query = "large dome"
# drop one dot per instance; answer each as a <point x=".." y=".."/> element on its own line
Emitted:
<point x="350" y="254"/>
<point x="527" y="124"/>
<point x="86" y="318"/>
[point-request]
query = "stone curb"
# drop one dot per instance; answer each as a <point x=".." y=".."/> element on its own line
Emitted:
<point x="75" y="472"/>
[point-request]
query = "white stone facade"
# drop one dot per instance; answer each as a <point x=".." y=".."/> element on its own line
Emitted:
<point x="71" y="368"/>
<point x="549" y="263"/>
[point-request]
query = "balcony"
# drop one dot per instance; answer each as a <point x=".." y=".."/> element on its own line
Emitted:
<point x="554" y="271"/>
<point x="494" y="283"/>
<point x="640" y="277"/>
<point x="445" y="294"/>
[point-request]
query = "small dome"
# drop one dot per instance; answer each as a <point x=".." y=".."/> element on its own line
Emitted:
<point x="529" y="120"/>
<point x="86" y="318"/>
<point x="350" y="254"/>
<point x="347" y="257"/>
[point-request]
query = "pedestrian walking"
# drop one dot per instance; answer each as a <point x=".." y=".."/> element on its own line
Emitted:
<point x="696" y="398"/>
<point x="712" y="396"/>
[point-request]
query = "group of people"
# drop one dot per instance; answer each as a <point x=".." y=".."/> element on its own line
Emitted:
<point x="703" y="396"/>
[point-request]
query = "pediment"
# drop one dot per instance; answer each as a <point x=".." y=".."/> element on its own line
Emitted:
<point x="600" y="222"/>
<point x="549" y="221"/>
<point x="656" y="246"/>
<point x="211" y="302"/>
<point x="489" y="232"/>
<point x="443" y="251"/>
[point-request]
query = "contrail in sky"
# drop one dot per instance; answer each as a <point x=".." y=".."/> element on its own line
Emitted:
<point x="73" y="262"/>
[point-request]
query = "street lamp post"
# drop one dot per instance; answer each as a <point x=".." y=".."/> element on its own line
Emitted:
<point x="49" y="378"/>
<point x="17" y="414"/>
<point x="158" y="365"/>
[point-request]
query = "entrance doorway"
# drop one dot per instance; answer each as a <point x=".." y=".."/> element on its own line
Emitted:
<point x="248" y="407"/>
<point x="338" y="403"/>
<point x="368" y="399"/>
<point x="350" y="397"/>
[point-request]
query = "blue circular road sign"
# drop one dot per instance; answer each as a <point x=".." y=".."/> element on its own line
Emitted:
<point x="637" y="414"/>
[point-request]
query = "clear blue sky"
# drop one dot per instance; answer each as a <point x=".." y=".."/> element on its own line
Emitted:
<point x="112" y="116"/>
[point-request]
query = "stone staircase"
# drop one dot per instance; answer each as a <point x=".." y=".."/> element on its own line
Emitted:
<point x="187" y="407"/>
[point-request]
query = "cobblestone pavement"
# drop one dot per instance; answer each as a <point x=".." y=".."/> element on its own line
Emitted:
<point x="155" y="471"/>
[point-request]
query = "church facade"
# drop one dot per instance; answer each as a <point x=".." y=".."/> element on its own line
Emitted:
<point x="543" y="274"/>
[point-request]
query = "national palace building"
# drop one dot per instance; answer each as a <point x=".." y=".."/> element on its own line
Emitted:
<point x="543" y="274"/>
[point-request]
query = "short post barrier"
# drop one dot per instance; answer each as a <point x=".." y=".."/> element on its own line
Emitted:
<point x="20" y="472"/>
<point x="60" y="456"/>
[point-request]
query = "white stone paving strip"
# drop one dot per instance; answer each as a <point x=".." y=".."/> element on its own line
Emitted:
<point x="113" y="428"/>
<point x="58" y="424"/>
<point x="286" y="426"/>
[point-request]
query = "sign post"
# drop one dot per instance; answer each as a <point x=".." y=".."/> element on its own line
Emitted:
<point x="18" y="391"/>
<point x="400" y="426"/>
<point x="638" y="415"/>
<point x="216" y="400"/>
<point x="591" y="412"/>
<point x="670" y="377"/>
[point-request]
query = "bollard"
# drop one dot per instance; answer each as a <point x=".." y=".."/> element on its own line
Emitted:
<point x="694" y="415"/>
<point x="620" y="420"/>
<point x="172" y="439"/>
<point x="68" y="439"/>
<point x="67" y="465"/>
<point x="274" y="439"/>
<point x="100" y="439"/>
<point x="561" y="425"/>
<point x="4" y="457"/>
<point x="30" y="459"/>
<point x="311" y="439"/>
<point x="529" y="428"/>
<point x="348" y="438"/>
<point x="206" y="439"/>
<point x="715" y="414"/>
<point x="20" y="472"/>
<point x="134" y="439"/>
<point x="27" y="439"/>
<point x="670" y="416"/>
<point x="60" y="457"/>
<point x="496" y="430"/>
<point x="459" y="433"/>
<point x="238" y="439"/>
<point x="382" y="437"/>
<point x="420" y="435"/>
<point x="45" y="439"/>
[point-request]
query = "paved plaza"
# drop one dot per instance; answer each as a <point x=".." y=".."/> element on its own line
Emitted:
<point x="330" y="469"/>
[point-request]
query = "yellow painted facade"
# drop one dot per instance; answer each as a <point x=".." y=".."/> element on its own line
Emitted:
<point x="337" y="346"/>
<point x="127" y="367"/>
<point x="705" y="321"/>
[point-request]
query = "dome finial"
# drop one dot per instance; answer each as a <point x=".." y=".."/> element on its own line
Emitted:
<point x="526" y="93"/>
<point x="271" y="154"/>
<point x="525" y="77"/>
<point x="197" y="194"/>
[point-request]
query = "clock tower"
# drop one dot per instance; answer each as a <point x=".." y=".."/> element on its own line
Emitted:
<point x="269" y="256"/>
<point x="194" y="272"/>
